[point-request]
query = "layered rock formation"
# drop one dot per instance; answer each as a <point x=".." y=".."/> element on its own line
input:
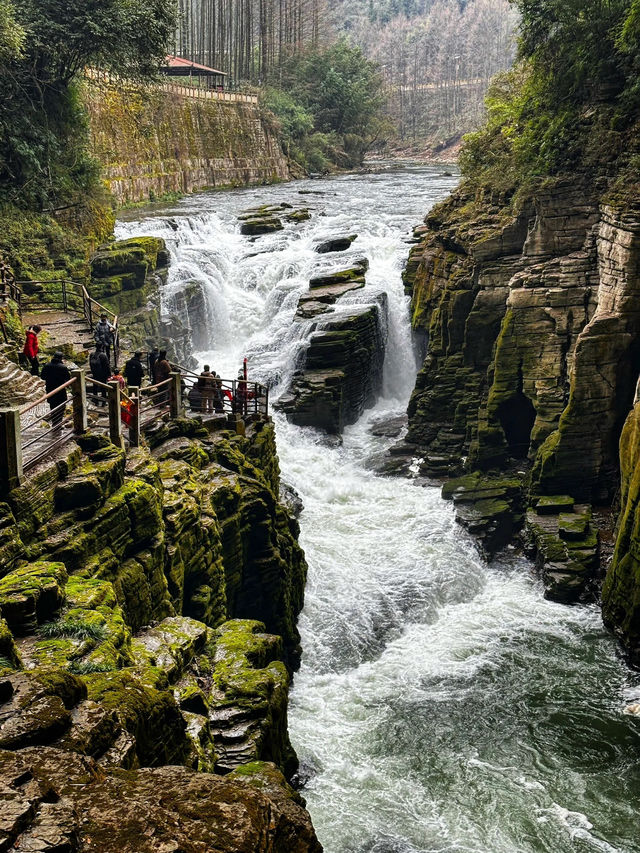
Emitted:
<point x="151" y="142"/>
<point x="148" y="606"/>
<point x="127" y="276"/>
<point x="531" y="315"/>
<point x="342" y="370"/>
<point x="269" y="218"/>
<point x="621" y="589"/>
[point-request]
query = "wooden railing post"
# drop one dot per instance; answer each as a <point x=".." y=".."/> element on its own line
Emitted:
<point x="65" y="305"/>
<point x="11" y="474"/>
<point x="115" y="423"/>
<point x="79" y="401"/>
<point x="134" y="414"/>
<point x="175" y="395"/>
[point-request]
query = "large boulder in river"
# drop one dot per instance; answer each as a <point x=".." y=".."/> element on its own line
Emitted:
<point x="268" y="218"/>
<point x="326" y="289"/>
<point x="335" y="244"/>
<point x="343" y="369"/>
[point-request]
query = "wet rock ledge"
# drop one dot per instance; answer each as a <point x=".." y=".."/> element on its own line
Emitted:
<point x="147" y="636"/>
<point x="528" y="394"/>
<point x="342" y="369"/>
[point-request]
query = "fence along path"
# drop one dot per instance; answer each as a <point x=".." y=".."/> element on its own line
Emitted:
<point x="31" y="433"/>
<point x="69" y="297"/>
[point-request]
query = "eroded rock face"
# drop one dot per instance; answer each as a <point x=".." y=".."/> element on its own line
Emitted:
<point x="621" y="589"/>
<point x="531" y="316"/>
<point x="342" y="371"/>
<point x="104" y="669"/>
<point x="53" y="800"/>
<point x="127" y="277"/>
<point x="532" y="319"/>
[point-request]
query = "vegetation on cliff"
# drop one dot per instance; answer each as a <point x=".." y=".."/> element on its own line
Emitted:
<point x="45" y="162"/>
<point x="572" y="101"/>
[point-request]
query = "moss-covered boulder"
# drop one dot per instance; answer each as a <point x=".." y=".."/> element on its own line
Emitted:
<point x="31" y="594"/>
<point x="489" y="507"/>
<point x="560" y="537"/>
<point x="248" y="702"/>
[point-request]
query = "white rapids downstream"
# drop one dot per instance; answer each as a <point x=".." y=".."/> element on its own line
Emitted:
<point x="442" y="704"/>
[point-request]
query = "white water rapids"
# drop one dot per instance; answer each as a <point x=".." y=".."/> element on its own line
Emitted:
<point x="442" y="704"/>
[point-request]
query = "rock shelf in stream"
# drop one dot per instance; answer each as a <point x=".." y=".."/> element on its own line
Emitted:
<point x="342" y="371"/>
<point x="268" y="218"/>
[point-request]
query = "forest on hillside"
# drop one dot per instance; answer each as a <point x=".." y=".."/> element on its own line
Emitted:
<point x="436" y="57"/>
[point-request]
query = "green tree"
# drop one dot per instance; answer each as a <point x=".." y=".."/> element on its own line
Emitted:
<point x="342" y="91"/>
<point x="11" y="33"/>
<point x="44" y="160"/>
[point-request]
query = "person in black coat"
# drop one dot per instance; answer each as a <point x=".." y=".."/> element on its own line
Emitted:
<point x="55" y="374"/>
<point x="105" y="334"/>
<point x="153" y="357"/>
<point x="134" y="371"/>
<point x="100" y="370"/>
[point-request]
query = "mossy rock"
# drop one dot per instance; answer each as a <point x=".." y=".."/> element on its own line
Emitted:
<point x="554" y="504"/>
<point x="572" y="526"/>
<point x="150" y="715"/>
<point x="31" y="594"/>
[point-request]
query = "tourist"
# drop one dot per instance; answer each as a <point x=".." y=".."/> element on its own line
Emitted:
<point x="31" y="347"/>
<point x="116" y="376"/>
<point x="55" y="373"/>
<point x="161" y="368"/>
<point x="134" y="370"/>
<point x="161" y="372"/>
<point x="100" y="370"/>
<point x="206" y="384"/>
<point x="195" y="398"/>
<point x="241" y="393"/>
<point x="105" y="334"/>
<point x="218" y="399"/>
<point x="153" y="357"/>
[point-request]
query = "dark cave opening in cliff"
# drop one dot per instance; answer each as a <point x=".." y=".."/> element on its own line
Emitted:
<point x="517" y="416"/>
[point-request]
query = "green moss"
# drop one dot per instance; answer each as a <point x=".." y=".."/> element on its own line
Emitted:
<point x="60" y="682"/>
<point x="150" y="715"/>
<point x="31" y="593"/>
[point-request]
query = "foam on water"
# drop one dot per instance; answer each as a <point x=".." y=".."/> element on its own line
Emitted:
<point x="442" y="704"/>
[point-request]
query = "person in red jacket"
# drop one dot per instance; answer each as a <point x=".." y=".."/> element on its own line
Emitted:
<point x="31" y="346"/>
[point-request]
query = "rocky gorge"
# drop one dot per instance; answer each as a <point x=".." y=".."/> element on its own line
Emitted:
<point x="152" y="602"/>
<point x="530" y="313"/>
<point x="148" y="603"/>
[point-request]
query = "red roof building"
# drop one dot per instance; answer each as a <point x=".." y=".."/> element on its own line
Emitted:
<point x="176" y="66"/>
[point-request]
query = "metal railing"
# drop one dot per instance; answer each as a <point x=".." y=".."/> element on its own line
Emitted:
<point x="11" y="290"/>
<point x="213" y="395"/>
<point x="30" y="434"/>
<point x="71" y="297"/>
<point x="232" y="94"/>
<point x="43" y="433"/>
<point x="155" y="401"/>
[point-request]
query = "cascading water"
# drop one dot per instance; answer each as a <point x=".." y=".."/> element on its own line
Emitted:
<point x="442" y="704"/>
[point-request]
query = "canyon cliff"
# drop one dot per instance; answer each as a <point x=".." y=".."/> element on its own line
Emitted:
<point x="529" y="310"/>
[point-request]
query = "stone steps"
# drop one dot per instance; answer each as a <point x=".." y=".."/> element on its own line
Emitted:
<point x="61" y="331"/>
<point x="17" y="386"/>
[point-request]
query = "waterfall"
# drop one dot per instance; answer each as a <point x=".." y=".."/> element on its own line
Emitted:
<point x="442" y="703"/>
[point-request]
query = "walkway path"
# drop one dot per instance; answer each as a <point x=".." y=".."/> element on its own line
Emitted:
<point x="62" y="328"/>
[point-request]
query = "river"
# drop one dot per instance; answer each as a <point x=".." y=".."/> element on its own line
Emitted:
<point x="442" y="704"/>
